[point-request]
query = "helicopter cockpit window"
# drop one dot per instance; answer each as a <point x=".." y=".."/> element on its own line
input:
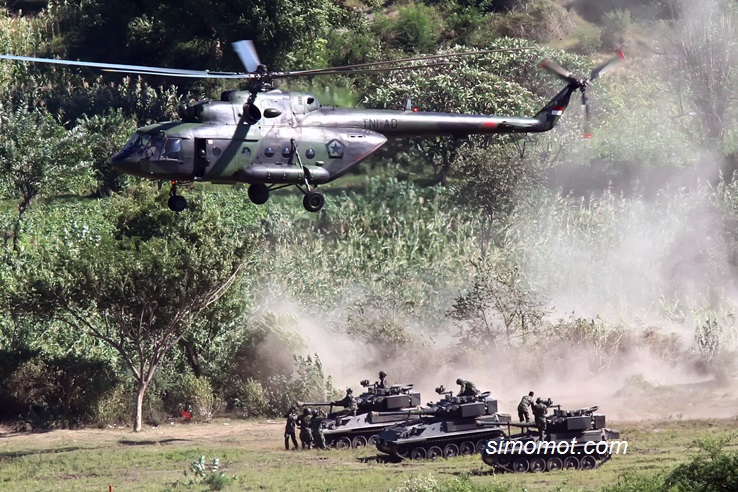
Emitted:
<point x="137" y="142"/>
<point x="172" y="148"/>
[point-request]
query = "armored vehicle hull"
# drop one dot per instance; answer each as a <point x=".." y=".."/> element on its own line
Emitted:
<point x="575" y="440"/>
<point x="359" y="430"/>
<point x="377" y="409"/>
<point x="450" y="428"/>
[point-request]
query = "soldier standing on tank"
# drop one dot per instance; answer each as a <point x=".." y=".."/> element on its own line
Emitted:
<point x="382" y="383"/>
<point x="348" y="402"/>
<point x="316" y="426"/>
<point x="467" y="388"/>
<point x="539" y="413"/>
<point x="524" y="407"/>
<point x="304" y="421"/>
<point x="289" y="429"/>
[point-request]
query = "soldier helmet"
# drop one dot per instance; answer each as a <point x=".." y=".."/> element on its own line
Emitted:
<point x="349" y="391"/>
<point x="539" y="400"/>
<point x="459" y="381"/>
<point x="306" y="411"/>
<point x="382" y="374"/>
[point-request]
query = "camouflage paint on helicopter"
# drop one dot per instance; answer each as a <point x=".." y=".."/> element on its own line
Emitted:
<point x="271" y="139"/>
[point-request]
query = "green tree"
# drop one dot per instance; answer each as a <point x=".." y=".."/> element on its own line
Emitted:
<point x="37" y="157"/>
<point x="703" y="48"/>
<point x="141" y="283"/>
<point x="500" y="304"/>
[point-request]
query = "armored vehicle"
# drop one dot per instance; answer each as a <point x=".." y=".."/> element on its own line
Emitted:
<point x="377" y="408"/>
<point x="445" y="429"/>
<point x="573" y="440"/>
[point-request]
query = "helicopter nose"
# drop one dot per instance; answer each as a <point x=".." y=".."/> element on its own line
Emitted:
<point x="126" y="162"/>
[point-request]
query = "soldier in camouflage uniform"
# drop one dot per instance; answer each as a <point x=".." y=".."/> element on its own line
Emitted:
<point x="539" y="413"/>
<point x="289" y="429"/>
<point x="382" y="383"/>
<point x="303" y="421"/>
<point x="467" y="388"/>
<point x="524" y="407"/>
<point x="348" y="402"/>
<point x="316" y="426"/>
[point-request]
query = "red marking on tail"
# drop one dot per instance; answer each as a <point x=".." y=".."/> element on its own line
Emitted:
<point x="621" y="54"/>
<point x="490" y="124"/>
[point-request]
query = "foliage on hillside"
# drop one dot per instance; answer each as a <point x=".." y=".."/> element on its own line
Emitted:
<point x="587" y="243"/>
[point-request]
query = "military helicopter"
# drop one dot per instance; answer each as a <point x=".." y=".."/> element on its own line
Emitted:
<point x="271" y="139"/>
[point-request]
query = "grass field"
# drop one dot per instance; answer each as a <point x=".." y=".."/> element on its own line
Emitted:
<point x="155" y="459"/>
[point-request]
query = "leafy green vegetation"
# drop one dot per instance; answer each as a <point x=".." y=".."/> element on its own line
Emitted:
<point x="115" y="311"/>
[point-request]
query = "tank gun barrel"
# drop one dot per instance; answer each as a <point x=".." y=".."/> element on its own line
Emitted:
<point x="314" y="404"/>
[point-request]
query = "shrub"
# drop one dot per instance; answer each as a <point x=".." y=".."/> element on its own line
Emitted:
<point x="194" y="395"/>
<point x="114" y="408"/>
<point x="615" y="26"/>
<point x="251" y="399"/>
<point x="712" y="469"/>
<point x="539" y="20"/>
<point x="590" y="39"/>
<point x="52" y="393"/>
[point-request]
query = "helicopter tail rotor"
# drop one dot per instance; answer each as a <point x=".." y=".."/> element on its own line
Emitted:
<point x="582" y="84"/>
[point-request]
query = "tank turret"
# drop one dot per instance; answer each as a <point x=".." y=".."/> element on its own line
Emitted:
<point x="444" y="429"/>
<point x="377" y="409"/>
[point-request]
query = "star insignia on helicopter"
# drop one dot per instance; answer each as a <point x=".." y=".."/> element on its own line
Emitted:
<point x="335" y="149"/>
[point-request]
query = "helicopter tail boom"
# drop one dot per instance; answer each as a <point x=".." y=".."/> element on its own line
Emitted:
<point x="549" y="115"/>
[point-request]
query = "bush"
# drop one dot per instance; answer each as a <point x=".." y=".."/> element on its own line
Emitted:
<point x="590" y="39"/>
<point x="114" y="408"/>
<point x="539" y="20"/>
<point x="51" y="393"/>
<point x="251" y="399"/>
<point x="194" y="395"/>
<point x="712" y="469"/>
<point x="615" y="26"/>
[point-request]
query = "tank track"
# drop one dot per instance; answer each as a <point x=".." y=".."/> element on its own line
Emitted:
<point x="534" y="463"/>
<point x="443" y="447"/>
<point x="352" y="440"/>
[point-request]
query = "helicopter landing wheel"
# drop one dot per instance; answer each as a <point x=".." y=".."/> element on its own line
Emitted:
<point x="258" y="193"/>
<point x="313" y="201"/>
<point x="177" y="203"/>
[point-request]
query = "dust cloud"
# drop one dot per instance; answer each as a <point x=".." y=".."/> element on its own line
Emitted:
<point x="648" y="258"/>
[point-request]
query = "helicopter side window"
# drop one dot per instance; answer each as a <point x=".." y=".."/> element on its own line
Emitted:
<point x="172" y="148"/>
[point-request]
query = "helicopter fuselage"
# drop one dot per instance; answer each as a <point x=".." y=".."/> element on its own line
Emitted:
<point x="284" y="137"/>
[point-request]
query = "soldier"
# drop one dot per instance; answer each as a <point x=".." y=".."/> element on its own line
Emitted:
<point x="289" y="429"/>
<point x="539" y="413"/>
<point x="316" y="427"/>
<point x="524" y="407"/>
<point x="382" y="383"/>
<point x="467" y="388"/>
<point x="348" y="402"/>
<point x="303" y="421"/>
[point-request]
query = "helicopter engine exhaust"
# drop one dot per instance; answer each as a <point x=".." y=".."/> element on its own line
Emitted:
<point x="278" y="173"/>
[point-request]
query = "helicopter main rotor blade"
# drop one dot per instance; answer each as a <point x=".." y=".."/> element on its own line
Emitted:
<point x="607" y="66"/>
<point x="310" y="73"/>
<point x="587" y="132"/>
<point x="246" y="51"/>
<point x="558" y="70"/>
<point x="415" y="58"/>
<point x="204" y="74"/>
<point x="109" y="66"/>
